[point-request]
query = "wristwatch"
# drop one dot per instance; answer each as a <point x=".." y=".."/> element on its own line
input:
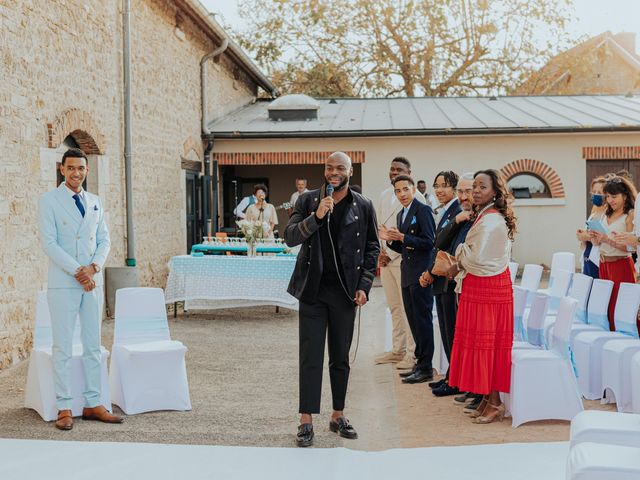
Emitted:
<point x="96" y="267"/>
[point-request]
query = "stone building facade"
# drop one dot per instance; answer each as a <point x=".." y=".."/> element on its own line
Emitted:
<point x="62" y="85"/>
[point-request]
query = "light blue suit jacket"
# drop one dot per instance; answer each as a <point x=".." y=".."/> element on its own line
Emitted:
<point x="69" y="240"/>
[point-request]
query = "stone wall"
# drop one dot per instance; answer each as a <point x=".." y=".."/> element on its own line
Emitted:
<point x="61" y="73"/>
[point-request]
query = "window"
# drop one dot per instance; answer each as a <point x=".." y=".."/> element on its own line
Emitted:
<point x="528" y="185"/>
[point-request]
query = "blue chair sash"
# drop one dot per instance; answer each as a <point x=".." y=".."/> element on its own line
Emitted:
<point x="535" y="336"/>
<point x="519" y="333"/>
<point x="138" y="330"/>
<point x="600" y="321"/>
<point x="581" y="316"/>
<point x="563" y="348"/>
<point x="627" y="328"/>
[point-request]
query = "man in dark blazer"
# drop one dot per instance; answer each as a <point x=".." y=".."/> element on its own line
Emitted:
<point x="452" y="231"/>
<point x="414" y="238"/>
<point x="336" y="265"/>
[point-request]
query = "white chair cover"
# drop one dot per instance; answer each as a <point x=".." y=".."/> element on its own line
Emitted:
<point x="597" y="308"/>
<point x="534" y="326"/>
<point x="580" y="289"/>
<point x="519" y="305"/>
<point x="635" y="383"/>
<point x="611" y="428"/>
<point x="40" y="392"/>
<point x="543" y="385"/>
<point x="559" y="289"/>
<point x="513" y="271"/>
<point x="148" y="370"/>
<point x="616" y="372"/>
<point x="531" y="275"/>
<point x="587" y="346"/>
<point x="559" y="261"/>
<point x="598" y="461"/>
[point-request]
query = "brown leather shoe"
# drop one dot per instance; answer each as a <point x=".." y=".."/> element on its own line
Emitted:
<point x="65" y="420"/>
<point x="100" y="414"/>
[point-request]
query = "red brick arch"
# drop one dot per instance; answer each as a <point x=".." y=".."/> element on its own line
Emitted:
<point x="80" y="125"/>
<point x="539" y="169"/>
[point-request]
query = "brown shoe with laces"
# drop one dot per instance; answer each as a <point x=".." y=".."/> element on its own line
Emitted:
<point x="65" y="420"/>
<point x="100" y="414"/>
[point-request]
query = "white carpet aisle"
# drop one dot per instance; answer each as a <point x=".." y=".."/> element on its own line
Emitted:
<point x="52" y="460"/>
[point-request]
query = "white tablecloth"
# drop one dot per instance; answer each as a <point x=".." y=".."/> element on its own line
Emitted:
<point x="228" y="281"/>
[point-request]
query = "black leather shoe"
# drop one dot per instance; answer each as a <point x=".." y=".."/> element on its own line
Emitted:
<point x="464" y="398"/>
<point x="304" y="438"/>
<point x="343" y="428"/>
<point x="437" y="384"/>
<point x="418" y="377"/>
<point x="408" y="373"/>
<point x="445" y="390"/>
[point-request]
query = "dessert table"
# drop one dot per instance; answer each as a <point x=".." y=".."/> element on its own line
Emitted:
<point x="230" y="281"/>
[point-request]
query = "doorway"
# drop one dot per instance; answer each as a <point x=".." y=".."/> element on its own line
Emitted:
<point x="194" y="208"/>
<point x="598" y="168"/>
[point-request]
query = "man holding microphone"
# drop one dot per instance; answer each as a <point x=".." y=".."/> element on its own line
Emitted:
<point x="332" y="277"/>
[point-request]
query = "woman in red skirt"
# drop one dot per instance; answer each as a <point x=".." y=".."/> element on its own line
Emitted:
<point x="481" y="356"/>
<point x="615" y="261"/>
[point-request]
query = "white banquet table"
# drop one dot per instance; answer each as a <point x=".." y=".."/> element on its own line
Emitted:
<point x="230" y="281"/>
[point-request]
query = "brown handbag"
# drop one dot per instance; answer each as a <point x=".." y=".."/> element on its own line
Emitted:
<point x="443" y="263"/>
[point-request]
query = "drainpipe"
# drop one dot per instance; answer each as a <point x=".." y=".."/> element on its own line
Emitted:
<point x="206" y="133"/>
<point x="128" y="156"/>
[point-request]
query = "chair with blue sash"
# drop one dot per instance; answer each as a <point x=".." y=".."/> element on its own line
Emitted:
<point x="543" y="383"/>
<point x="535" y="321"/>
<point x="588" y="346"/>
<point x="560" y="261"/>
<point x="530" y="279"/>
<point x="597" y="309"/>
<point x="148" y="370"/>
<point x="39" y="392"/>
<point x="579" y="289"/>
<point x="519" y="305"/>
<point x="635" y="385"/>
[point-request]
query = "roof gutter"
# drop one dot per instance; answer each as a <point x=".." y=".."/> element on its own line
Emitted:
<point x="204" y="19"/>
<point x="422" y="133"/>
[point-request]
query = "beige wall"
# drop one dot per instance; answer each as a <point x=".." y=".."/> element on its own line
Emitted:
<point x="64" y="54"/>
<point x="543" y="229"/>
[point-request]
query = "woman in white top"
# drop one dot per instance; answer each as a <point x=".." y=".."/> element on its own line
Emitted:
<point x="262" y="211"/>
<point x="615" y="262"/>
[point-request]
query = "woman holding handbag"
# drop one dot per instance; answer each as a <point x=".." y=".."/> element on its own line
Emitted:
<point x="481" y="356"/>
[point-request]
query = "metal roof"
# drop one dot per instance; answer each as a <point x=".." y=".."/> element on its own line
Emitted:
<point x="351" y="117"/>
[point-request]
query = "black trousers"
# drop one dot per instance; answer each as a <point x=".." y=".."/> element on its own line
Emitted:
<point x="418" y="304"/>
<point x="447" y="308"/>
<point x="330" y="316"/>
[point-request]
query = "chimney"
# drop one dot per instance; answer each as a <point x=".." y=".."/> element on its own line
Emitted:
<point x="626" y="40"/>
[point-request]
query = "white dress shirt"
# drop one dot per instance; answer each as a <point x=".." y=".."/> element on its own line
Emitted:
<point x="295" y="195"/>
<point x="80" y="194"/>
<point x="242" y="206"/>
<point x="387" y="211"/>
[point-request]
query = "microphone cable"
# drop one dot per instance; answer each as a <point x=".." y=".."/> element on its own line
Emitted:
<point x="329" y="192"/>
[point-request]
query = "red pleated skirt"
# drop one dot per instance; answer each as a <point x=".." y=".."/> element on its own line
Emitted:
<point x="619" y="271"/>
<point x="481" y="355"/>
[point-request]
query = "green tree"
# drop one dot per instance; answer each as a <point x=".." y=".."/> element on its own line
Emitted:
<point x="402" y="47"/>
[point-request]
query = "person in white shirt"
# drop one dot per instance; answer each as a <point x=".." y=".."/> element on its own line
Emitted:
<point x="403" y="343"/>
<point x="239" y="211"/>
<point x="301" y="187"/>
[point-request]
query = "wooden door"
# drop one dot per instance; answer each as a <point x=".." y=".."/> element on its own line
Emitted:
<point x="598" y="168"/>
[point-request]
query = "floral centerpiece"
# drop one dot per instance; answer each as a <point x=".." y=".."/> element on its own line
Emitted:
<point x="252" y="231"/>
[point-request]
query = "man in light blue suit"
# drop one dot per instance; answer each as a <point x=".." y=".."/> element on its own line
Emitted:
<point x="74" y="235"/>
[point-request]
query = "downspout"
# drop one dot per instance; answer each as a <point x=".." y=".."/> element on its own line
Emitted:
<point x="128" y="156"/>
<point x="206" y="133"/>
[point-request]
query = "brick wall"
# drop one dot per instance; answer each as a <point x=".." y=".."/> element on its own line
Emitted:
<point x="61" y="73"/>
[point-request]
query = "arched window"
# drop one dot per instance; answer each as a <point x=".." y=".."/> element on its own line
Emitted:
<point x="528" y="185"/>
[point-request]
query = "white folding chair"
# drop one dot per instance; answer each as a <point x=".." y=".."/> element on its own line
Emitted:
<point x="519" y="305"/>
<point x="560" y="261"/>
<point x="531" y="275"/>
<point x="535" y="322"/>
<point x="148" y="370"/>
<point x="612" y="428"/>
<point x="635" y="383"/>
<point x="579" y="289"/>
<point x="597" y="309"/>
<point x="513" y="271"/>
<point x="559" y="289"/>
<point x="587" y="346"/>
<point x="543" y="384"/>
<point x="616" y="372"/>
<point x="598" y="461"/>
<point x="40" y="392"/>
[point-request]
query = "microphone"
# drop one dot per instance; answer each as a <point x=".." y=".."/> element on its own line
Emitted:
<point x="329" y="192"/>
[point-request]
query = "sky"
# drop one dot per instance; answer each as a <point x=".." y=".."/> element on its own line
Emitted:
<point x="591" y="16"/>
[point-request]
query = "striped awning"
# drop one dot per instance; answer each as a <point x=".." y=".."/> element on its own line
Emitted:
<point x="280" y="158"/>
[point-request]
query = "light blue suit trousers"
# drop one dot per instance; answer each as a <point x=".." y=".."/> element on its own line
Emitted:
<point x="65" y="304"/>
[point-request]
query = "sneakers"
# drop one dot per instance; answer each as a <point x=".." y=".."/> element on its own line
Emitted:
<point x="389" y="357"/>
<point x="407" y="363"/>
<point x="473" y="406"/>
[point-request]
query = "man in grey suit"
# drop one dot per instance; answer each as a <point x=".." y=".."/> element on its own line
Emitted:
<point x="74" y="235"/>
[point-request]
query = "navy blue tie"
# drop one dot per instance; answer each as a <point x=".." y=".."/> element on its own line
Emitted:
<point x="76" y="197"/>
